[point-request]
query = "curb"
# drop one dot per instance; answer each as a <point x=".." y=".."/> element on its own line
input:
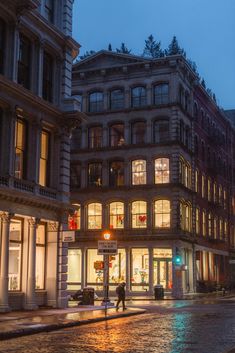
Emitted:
<point x="54" y="327"/>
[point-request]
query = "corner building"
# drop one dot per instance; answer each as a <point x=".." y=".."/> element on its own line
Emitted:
<point x="36" y="114"/>
<point x="153" y="165"/>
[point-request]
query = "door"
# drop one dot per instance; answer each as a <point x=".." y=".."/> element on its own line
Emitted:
<point x="162" y="272"/>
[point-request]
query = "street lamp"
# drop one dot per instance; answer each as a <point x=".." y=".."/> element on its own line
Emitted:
<point x="106" y="300"/>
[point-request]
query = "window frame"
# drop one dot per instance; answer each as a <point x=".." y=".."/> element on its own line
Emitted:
<point x="160" y="98"/>
<point x="97" y="105"/>
<point x="138" y="100"/>
<point x="136" y="174"/>
<point x="95" y="216"/>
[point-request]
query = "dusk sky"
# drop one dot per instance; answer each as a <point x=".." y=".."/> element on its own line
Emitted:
<point x="204" y="28"/>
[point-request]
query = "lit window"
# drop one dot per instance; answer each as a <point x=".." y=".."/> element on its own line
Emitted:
<point x="209" y="224"/>
<point x="197" y="221"/>
<point x="44" y="159"/>
<point x="204" y="223"/>
<point x="138" y="97"/>
<point x="117" y="99"/>
<point x="116" y="215"/>
<point x="161" y="131"/>
<point x="226" y="229"/>
<point x="139" y="269"/>
<point x="203" y="186"/>
<point x="139" y="214"/>
<point x="20" y="152"/>
<point x="215" y="192"/>
<point x="185" y="216"/>
<point x="94" y="213"/>
<point x="96" y="102"/>
<point x="116" y="136"/>
<point x="221" y="228"/>
<point x="40" y="256"/>
<point x="139" y="172"/>
<point x="215" y="228"/>
<point x="116" y="173"/>
<point x="162" y="171"/>
<point x="209" y="189"/>
<point x="95" y="137"/>
<point x="197" y="181"/>
<point x="162" y="213"/>
<point x="95" y="174"/>
<point x="74" y="220"/>
<point x="74" y="269"/>
<point x="15" y="253"/>
<point x="161" y="94"/>
<point x="138" y="132"/>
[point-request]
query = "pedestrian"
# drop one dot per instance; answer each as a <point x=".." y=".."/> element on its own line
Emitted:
<point x="121" y="293"/>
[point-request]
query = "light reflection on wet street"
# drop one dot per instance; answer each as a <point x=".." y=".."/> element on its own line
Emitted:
<point x="167" y="327"/>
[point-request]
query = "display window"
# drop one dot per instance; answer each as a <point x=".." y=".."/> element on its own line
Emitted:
<point x="15" y="254"/>
<point x="162" y="214"/>
<point x="116" y="215"/>
<point x="74" y="269"/>
<point x="139" y="214"/>
<point x="139" y="269"/>
<point x="40" y="256"/>
<point x="74" y="220"/>
<point x="117" y="267"/>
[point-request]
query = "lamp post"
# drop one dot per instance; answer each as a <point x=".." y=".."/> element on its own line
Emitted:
<point x="106" y="299"/>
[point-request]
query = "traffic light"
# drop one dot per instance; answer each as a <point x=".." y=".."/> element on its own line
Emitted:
<point x="177" y="258"/>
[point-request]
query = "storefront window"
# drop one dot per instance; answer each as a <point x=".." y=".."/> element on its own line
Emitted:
<point x="15" y="252"/>
<point x="139" y="172"/>
<point x="139" y="270"/>
<point x="162" y="267"/>
<point x="162" y="214"/>
<point x="94" y="269"/>
<point x="40" y="256"/>
<point x="162" y="172"/>
<point x="139" y="214"/>
<point x="117" y="267"/>
<point x="94" y="216"/>
<point x="74" y="220"/>
<point x="74" y="269"/>
<point x="116" y="214"/>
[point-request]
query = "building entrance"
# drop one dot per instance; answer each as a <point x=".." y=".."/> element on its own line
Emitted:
<point x="162" y="272"/>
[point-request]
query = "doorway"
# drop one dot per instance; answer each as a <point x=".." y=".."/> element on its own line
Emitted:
<point x="162" y="272"/>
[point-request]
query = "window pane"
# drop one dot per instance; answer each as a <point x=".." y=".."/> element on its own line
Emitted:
<point x="138" y="97"/>
<point x="74" y="265"/>
<point x="96" y="102"/>
<point x="15" y="253"/>
<point x="138" y="172"/>
<point x="138" y="132"/>
<point x="95" y="137"/>
<point x="117" y="135"/>
<point x="94" y="273"/>
<point x="162" y="214"/>
<point x="95" y="216"/>
<point x="116" y="212"/>
<point x="24" y="62"/>
<point x="20" y="154"/>
<point x="95" y="174"/>
<point x="40" y="267"/>
<point x="116" y="173"/>
<point x="139" y="269"/>
<point x="161" y="131"/>
<point x="74" y="220"/>
<point x="161" y="94"/>
<point x="47" y="84"/>
<point x="162" y="172"/>
<point x="44" y="159"/>
<point x="139" y="214"/>
<point x="117" y="267"/>
<point x="117" y="99"/>
<point x="75" y="175"/>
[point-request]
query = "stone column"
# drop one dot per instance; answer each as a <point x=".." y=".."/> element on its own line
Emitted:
<point x="4" y="262"/>
<point x="128" y="270"/>
<point x="31" y="280"/>
<point x="150" y="271"/>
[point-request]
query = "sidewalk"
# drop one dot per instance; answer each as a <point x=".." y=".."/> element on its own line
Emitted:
<point x="21" y="323"/>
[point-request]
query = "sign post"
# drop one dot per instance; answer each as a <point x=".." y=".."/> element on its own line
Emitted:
<point x="106" y="248"/>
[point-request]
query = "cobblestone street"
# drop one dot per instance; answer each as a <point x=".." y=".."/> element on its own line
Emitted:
<point x="167" y="327"/>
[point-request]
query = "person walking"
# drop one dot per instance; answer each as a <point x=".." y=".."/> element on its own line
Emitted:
<point x="121" y="293"/>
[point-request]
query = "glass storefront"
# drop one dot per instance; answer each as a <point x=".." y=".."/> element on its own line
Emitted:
<point x="139" y="269"/>
<point x="162" y="267"/>
<point x="15" y="252"/>
<point x="74" y="269"/>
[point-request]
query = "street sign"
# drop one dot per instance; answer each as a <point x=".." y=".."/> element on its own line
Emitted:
<point x="68" y="236"/>
<point x="107" y="247"/>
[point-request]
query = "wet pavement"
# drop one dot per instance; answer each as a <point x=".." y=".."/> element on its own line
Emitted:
<point x="198" y="326"/>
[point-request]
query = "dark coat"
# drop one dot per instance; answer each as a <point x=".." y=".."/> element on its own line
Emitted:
<point x="121" y="293"/>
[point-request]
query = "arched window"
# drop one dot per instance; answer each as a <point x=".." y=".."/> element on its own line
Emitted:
<point x="138" y="97"/>
<point x="139" y="214"/>
<point x="95" y="137"/>
<point x="162" y="171"/>
<point x="138" y="131"/>
<point x="161" y="94"/>
<point x="116" y="173"/>
<point x="116" y="135"/>
<point x="161" y="131"/>
<point x="96" y="102"/>
<point x="162" y="214"/>
<point x="139" y="172"/>
<point x="116" y="215"/>
<point x="117" y="99"/>
<point x="94" y="216"/>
